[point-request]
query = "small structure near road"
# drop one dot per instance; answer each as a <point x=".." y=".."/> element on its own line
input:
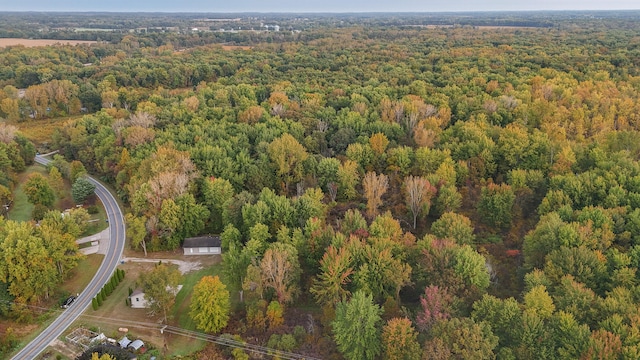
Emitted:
<point x="83" y="338"/>
<point x="138" y="301"/>
<point x="202" y="245"/>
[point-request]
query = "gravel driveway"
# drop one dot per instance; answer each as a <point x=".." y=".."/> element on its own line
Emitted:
<point x="183" y="266"/>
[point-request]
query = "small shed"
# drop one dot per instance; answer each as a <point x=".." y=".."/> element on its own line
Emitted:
<point x="137" y="299"/>
<point x="202" y="245"/>
<point x="136" y="345"/>
<point x="124" y="342"/>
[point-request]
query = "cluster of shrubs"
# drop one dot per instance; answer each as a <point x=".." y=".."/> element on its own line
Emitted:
<point x="107" y="289"/>
<point x="288" y="342"/>
<point x="128" y="299"/>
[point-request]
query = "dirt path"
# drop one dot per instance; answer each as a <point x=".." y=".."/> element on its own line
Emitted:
<point x="183" y="266"/>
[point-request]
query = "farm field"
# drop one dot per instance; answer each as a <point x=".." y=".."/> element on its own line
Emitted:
<point x="40" y="42"/>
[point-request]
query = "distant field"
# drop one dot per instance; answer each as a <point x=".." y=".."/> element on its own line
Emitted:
<point x="40" y="131"/>
<point x="4" y="42"/>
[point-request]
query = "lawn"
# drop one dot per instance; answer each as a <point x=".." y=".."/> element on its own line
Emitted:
<point x="114" y="308"/>
<point x="182" y="346"/>
<point x="22" y="208"/>
<point x="82" y="274"/>
<point x="98" y="221"/>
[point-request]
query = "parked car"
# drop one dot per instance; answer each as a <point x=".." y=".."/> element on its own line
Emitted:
<point x="69" y="301"/>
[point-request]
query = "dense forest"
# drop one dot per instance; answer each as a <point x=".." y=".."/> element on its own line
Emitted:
<point x="430" y="189"/>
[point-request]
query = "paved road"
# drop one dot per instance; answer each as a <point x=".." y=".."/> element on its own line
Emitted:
<point x="111" y="260"/>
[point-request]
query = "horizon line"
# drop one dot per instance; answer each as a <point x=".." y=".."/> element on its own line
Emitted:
<point x="314" y="12"/>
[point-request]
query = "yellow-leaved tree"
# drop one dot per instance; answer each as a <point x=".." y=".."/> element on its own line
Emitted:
<point x="210" y="304"/>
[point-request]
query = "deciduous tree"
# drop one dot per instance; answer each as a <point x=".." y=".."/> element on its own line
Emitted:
<point x="280" y="271"/>
<point x="210" y="304"/>
<point x="275" y="315"/>
<point x="348" y="178"/>
<point x="56" y="182"/>
<point x="136" y="232"/>
<point x="216" y="192"/>
<point x="374" y="187"/>
<point x="330" y="287"/>
<point x="356" y="328"/>
<point x="38" y="190"/>
<point x="418" y="194"/>
<point x="235" y="262"/>
<point x="466" y="339"/>
<point x="288" y="155"/>
<point x="495" y="205"/>
<point x="25" y="263"/>
<point x="76" y="169"/>
<point x="400" y="340"/>
<point x="159" y="286"/>
<point x="436" y="306"/>
<point x="61" y="246"/>
<point x="454" y="226"/>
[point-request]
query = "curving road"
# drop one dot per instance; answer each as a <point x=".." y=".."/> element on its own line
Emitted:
<point x="109" y="264"/>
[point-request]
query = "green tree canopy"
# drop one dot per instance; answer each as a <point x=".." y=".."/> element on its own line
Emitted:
<point x="356" y="328"/>
<point x="39" y="191"/>
<point x="81" y="190"/>
<point x="210" y="304"/>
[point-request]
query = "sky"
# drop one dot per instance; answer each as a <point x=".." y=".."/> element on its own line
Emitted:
<point x="313" y="5"/>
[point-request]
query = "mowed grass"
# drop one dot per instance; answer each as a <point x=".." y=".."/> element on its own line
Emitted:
<point x="98" y="221"/>
<point x="22" y="208"/>
<point x="82" y="274"/>
<point x="181" y="345"/>
<point x="114" y="306"/>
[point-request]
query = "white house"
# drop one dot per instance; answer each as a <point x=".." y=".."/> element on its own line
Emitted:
<point x="137" y="299"/>
<point x="202" y="245"/>
<point x="139" y="302"/>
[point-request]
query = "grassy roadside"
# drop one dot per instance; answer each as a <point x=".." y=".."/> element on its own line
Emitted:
<point x="98" y="221"/>
<point x="78" y="280"/>
<point x="22" y="208"/>
<point x="106" y="318"/>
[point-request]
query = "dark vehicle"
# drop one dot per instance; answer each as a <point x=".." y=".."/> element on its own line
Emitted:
<point x="69" y="301"/>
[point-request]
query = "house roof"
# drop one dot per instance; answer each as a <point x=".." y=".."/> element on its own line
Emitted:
<point x="124" y="342"/>
<point x="136" y="344"/>
<point x="136" y="292"/>
<point x="202" y="241"/>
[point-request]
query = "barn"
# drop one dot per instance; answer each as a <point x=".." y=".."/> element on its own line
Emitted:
<point x="202" y="245"/>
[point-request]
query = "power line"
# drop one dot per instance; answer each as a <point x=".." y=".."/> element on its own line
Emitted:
<point x="223" y="341"/>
